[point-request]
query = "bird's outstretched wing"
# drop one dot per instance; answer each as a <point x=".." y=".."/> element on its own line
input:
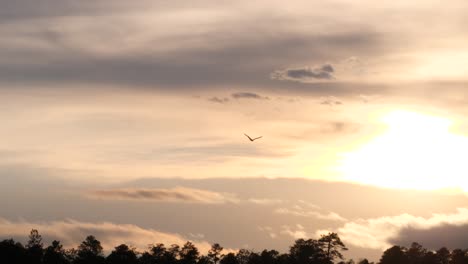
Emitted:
<point x="249" y="137"/>
<point x="257" y="138"/>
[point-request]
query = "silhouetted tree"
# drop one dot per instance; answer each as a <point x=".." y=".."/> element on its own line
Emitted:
<point x="458" y="256"/>
<point x="204" y="260"/>
<point x="71" y="255"/>
<point x="172" y="254"/>
<point x="12" y="252"/>
<point x="307" y="251"/>
<point x="268" y="256"/>
<point x="394" y="255"/>
<point x="443" y="256"/>
<point x="326" y="250"/>
<point x="254" y="258"/>
<point x="90" y="245"/>
<point x="90" y="252"/>
<point x="122" y="255"/>
<point x="55" y="254"/>
<point x="364" y="261"/>
<point x="158" y="254"/>
<point x="332" y="245"/>
<point x="429" y="258"/>
<point x="214" y="254"/>
<point x="283" y="259"/>
<point x="188" y="254"/>
<point x="229" y="258"/>
<point x="243" y="256"/>
<point x="145" y="258"/>
<point x="34" y="247"/>
<point x="415" y="253"/>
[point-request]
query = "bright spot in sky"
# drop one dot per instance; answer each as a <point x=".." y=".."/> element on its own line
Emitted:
<point x="415" y="152"/>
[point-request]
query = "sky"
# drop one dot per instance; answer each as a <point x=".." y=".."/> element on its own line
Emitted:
<point x="126" y="120"/>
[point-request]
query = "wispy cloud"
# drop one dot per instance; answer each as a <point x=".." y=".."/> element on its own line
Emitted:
<point x="268" y="230"/>
<point x="263" y="201"/>
<point x="367" y="98"/>
<point x="332" y="216"/>
<point x="219" y="100"/>
<point x="296" y="231"/>
<point x="307" y="209"/>
<point x="177" y="195"/>
<point x="305" y="74"/>
<point x="331" y="101"/>
<point x="248" y="95"/>
<point x="71" y="232"/>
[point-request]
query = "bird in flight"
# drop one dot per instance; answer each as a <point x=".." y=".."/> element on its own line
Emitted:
<point x="252" y="139"/>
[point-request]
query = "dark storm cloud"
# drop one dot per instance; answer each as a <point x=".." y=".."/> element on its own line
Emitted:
<point x="306" y="74"/>
<point x="450" y="236"/>
<point x="247" y="95"/>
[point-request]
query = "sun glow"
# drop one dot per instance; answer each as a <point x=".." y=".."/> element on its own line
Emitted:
<point x="415" y="152"/>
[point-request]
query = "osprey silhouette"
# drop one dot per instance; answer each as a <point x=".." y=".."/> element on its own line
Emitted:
<point x="252" y="139"/>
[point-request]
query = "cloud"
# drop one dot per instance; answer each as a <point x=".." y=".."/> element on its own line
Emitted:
<point x="71" y="232"/>
<point x="340" y="127"/>
<point x="197" y="235"/>
<point x="331" y="216"/>
<point x="177" y="194"/>
<point x="216" y="152"/>
<point x="450" y="236"/>
<point x="331" y="101"/>
<point x="366" y="98"/>
<point x="354" y="65"/>
<point x="264" y="201"/>
<point x="247" y="95"/>
<point x="305" y="209"/>
<point x="305" y="74"/>
<point x="296" y="232"/>
<point x="192" y="50"/>
<point x="219" y="100"/>
<point x="184" y="57"/>
<point x="382" y="232"/>
<point x="268" y="230"/>
<point x="289" y="100"/>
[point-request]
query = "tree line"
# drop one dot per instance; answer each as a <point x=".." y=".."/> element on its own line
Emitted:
<point x="325" y="250"/>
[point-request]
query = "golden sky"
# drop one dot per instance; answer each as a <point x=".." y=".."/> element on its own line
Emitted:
<point x="101" y="100"/>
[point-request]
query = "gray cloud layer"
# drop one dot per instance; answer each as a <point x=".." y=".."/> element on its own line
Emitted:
<point x="248" y="95"/>
<point x="218" y="100"/>
<point x="178" y="194"/>
<point x="450" y="236"/>
<point x="331" y="100"/>
<point x="40" y="52"/>
<point x="306" y="74"/>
